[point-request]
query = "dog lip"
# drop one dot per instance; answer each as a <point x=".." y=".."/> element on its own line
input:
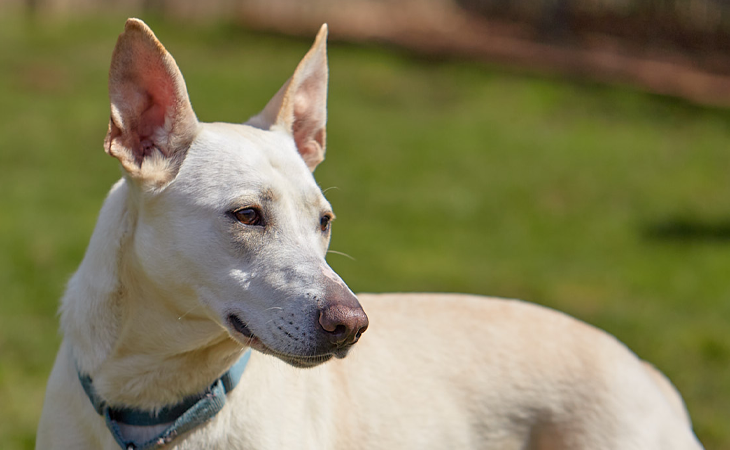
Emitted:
<point x="304" y="362"/>
<point x="299" y="361"/>
<point x="238" y="325"/>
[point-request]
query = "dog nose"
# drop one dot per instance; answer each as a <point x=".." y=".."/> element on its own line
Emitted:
<point x="341" y="318"/>
<point x="343" y="324"/>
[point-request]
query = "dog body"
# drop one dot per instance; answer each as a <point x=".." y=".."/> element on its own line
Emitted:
<point x="214" y="242"/>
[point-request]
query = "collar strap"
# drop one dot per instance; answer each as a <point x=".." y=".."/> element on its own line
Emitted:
<point x="189" y="413"/>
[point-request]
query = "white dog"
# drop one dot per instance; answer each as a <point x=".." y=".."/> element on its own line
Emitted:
<point x="214" y="244"/>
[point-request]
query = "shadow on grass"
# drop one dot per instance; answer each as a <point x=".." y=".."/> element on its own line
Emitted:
<point x="686" y="229"/>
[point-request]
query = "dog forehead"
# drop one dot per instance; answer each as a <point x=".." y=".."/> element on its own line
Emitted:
<point x="227" y="160"/>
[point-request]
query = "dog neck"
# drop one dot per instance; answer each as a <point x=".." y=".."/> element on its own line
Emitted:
<point x="140" y="349"/>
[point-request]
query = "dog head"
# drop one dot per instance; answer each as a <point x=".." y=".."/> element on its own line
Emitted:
<point x="228" y="216"/>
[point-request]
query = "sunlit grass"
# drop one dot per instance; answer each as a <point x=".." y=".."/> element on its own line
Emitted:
<point x="608" y="204"/>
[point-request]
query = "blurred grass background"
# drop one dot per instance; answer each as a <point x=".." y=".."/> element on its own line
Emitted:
<point x="606" y="203"/>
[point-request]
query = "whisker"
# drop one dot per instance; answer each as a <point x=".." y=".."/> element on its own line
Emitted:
<point x="341" y="253"/>
<point x="189" y="311"/>
<point x="331" y="187"/>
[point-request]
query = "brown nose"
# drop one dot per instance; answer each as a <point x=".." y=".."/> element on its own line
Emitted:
<point x="343" y="320"/>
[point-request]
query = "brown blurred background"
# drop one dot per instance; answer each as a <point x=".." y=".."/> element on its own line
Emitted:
<point x="673" y="47"/>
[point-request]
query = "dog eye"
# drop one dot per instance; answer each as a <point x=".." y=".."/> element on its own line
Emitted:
<point x="248" y="216"/>
<point x="325" y="221"/>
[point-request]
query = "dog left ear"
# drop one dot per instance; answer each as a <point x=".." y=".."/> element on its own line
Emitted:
<point x="152" y="123"/>
<point x="300" y="106"/>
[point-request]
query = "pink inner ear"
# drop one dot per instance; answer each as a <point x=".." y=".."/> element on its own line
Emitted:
<point x="309" y="120"/>
<point x="158" y="103"/>
<point x="310" y="151"/>
<point x="151" y="119"/>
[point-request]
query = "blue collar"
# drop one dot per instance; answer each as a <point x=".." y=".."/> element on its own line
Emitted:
<point x="184" y="416"/>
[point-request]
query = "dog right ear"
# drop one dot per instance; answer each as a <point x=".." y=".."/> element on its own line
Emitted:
<point x="300" y="106"/>
<point x="152" y="122"/>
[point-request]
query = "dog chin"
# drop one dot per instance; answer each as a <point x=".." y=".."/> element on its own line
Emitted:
<point x="243" y="334"/>
<point x="300" y="362"/>
<point x="304" y="362"/>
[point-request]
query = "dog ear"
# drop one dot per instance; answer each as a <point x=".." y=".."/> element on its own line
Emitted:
<point x="152" y="123"/>
<point x="300" y="106"/>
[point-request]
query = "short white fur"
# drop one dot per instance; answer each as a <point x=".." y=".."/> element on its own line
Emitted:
<point x="146" y="313"/>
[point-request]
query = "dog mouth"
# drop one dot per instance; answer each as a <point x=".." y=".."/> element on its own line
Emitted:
<point x="238" y="325"/>
<point x="301" y="362"/>
<point x="254" y="342"/>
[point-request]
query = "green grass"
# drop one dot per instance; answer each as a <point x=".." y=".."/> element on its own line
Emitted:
<point x="605" y="203"/>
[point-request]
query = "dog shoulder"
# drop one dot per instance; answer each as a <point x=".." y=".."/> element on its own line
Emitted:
<point x="68" y="417"/>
